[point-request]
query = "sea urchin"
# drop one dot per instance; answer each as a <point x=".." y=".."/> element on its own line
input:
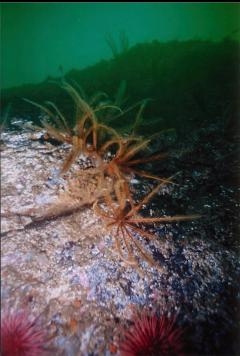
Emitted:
<point x="153" y="336"/>
<point x="20" y="336"/>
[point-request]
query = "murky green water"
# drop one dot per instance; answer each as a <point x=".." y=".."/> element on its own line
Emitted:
<point x="40" y="40"/>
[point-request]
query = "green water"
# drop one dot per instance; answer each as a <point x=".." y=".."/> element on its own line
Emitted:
<point x="41" y="40"/>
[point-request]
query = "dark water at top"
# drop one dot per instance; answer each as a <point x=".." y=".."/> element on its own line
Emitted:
<point x="182" y="58"/>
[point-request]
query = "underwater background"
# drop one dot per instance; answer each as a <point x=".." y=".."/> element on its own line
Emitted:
<point x="37" y="39"/>
<point x="163" y="80"/>
<point x="184" y="58"/>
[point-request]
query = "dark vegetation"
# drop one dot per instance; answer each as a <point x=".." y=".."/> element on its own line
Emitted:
<point x="190" y="83"/>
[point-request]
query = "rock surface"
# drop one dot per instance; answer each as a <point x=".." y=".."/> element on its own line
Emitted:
<point x="66" y="270"/>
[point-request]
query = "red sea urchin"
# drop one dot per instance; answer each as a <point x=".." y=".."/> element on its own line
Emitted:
<point x="20" y="336"/>
<point x="153" y="336"/>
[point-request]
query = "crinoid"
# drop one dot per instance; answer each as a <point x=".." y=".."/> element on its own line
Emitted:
<point x="122" y="216"/>
<point x="86" y="133"/>
<point x="126" y="158"/>
<point x="91" y="137"/>
<point x="122" y="155"/>
<point x="116" y="158"/>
